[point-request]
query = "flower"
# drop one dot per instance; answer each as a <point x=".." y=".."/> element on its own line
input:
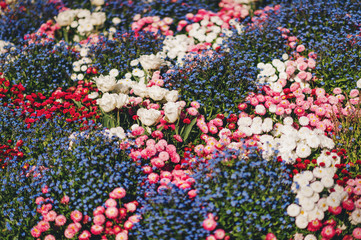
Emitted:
<point x="97" y="2"/>
<point x="117" y="131"/>
<point x="69" y="233"/>
<point x="119" y="193"/>
<point x="131" y="207"/>
<point x="96" y="229"/>
<point x="99" y="219"/>
<point x="110" y="203"/>
<point x="356" y="233"/>
<point x="172" y="96"/>
<point x="153" y="178"/>
<point x="209" y="223"/>
<point x="301" y="222"/>
<point x="43" y="226"/>
<point x="111" y="212"/>
<point x="108" y="102"/>
<point x="149" y="116"/>
<point x="293" y="210"/>
<point x="303" y="151"/>
<point x="260" y="109"/>
<point x="327" y="181"/>
<point x="171" y="111"/>
<point x="334" y="199"/>
<point x="105" y="83"/>
<point x="328" y="232"/>
<point x="85" y="235"/>
<point x="122" y="236"/>
<point x="66" y="17"/>
<point x="76" y="216"/>
<point x="93" y="95"/>
<point x="317" y="186"/>
<point x="270" y="236"/>
<point x="35" y="232"/>
<point x="149" y="62"/>
<point x="192" y="111"/>
<point x="356" y="216"/>
<point x="97" y="18"/>
<point x="157" y="93"/>
<point x="310" y="237"/>
<point x="60" y="220"/>
<point x="49" y="237"/>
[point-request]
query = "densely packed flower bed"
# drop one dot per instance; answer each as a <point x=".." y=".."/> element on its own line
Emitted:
<point x="174" y="119"/>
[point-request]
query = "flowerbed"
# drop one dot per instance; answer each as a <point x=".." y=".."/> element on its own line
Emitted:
<point x="172" y="119"/>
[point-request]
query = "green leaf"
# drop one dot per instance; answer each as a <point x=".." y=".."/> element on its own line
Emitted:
<point x="189" y="129"/>
<point x="78" y="104"/>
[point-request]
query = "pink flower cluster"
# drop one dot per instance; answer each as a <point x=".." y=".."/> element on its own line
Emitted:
<point x="156" y="80"/>
<point x="210" y="224"/>
<point x="152" y="24"/>
<point x="160" y="153"/>
<point x="262" y="15"/>
<point x="51" y="217"/>
<point x="350" y="208"/>
<point x="229" y="10"/>
<point x="111" y="220"/>
<point x="49" y="28"/>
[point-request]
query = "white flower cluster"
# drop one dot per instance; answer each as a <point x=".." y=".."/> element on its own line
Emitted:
<point x="256" y="125"/>
<point x="151" y="62"/>
<point x="4" y="46"/>
<point x="272" y="72"/>
<point x="109" y="101"/>
<point x="115" y="132"/>
<point x="291" y="143"/>
<point x="81" y="19"/>
<point x="81" y="66"/>
<point x="97" y="3"/>
<point x="156" y="93"/>
<point x="148" y="62"/>
<point x="355" y="217"/>
<point x="358" y="83"/>
<point x="118" y="97"/>
<point x="211" y="34"/>
<point x="203" y="33"/>
<point x="108" y="133"/>
<point x="177" y="46"/>
<point x="309" y="186"/>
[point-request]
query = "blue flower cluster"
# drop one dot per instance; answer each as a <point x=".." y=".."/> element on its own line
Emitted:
<point x="170" y="214"/>
<point x="249" y="194"/>
<point x="221" y="81"/>
<point x="20" y="181"/>
<point x="87" y="169"/>
<point x="176" y="9"/>
<point x="118" y="53"/>
<point x="332" y="30"/>
<point x="126" y="10"/>
<point x="25" y="17"/>
<point x="45" y="66"/>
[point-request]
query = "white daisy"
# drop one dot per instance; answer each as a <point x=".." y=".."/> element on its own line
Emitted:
<point x="322" y="204"/>
<point x="303" y="151"/>
<point x="327" y="182"/>
<point x="317" y="186"/>
<point x="316" y="213"/>
<point x="293" y="210"/>
<point x="301" y="222"/>
<point x="333" y="200"/>
<point x="310" y="237"/>
<point x="304" y="121"/>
